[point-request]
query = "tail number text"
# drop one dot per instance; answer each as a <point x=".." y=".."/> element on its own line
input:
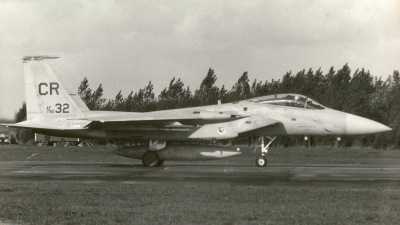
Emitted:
<point x="45" y="88"/>
<point x="59" y="108"/>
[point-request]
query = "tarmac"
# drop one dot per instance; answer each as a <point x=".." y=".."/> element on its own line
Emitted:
<point x="171" y="172"/>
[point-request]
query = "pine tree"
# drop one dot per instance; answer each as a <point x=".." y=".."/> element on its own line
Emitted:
<point x="393" y="101"/>
<point x="337" y="89"/>
<point x="208" y="93"/>
<point x="118" y="102"/>
<point x="175" y="96"/>
<point x="128" y="102"/>
<point x="241" y="90"/>
<point x="84" y="91"/>
<point x="21" y="114"/>
<point x="319" y="86"/>
<point x="360" y="89"/>
<point x="96" y="101"/>
<point x="149" y="97"/>
<point x="286" y="84"/>
<point x="23" y="135"/>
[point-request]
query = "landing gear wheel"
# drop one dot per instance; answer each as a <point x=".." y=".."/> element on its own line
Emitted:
<point x="150" y="159"/>
<point x="261" y="161"/>
<point x="160" y="162"/>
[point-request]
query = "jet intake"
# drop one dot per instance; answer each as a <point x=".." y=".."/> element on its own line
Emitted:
<point x="180" y="152"/>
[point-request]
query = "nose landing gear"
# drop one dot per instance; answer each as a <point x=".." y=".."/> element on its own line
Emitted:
<point x="261" y="161"/>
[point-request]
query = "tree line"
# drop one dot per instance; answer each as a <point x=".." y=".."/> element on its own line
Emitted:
<point x="357" y="92"/>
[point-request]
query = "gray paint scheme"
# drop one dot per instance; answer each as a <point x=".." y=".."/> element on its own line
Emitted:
<point x="244" y="118"/>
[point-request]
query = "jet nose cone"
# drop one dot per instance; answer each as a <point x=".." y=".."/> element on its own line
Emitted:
<point x="357" y="125"/>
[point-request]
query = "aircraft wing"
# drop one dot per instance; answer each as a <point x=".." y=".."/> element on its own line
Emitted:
<point x="163" y="118"/>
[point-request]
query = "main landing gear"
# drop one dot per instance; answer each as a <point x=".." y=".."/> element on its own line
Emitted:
<point x="261" y="161"/>
<point x="151" y="158"/>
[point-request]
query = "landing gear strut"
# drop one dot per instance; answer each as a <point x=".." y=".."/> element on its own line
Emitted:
<point x="261" y="161"/>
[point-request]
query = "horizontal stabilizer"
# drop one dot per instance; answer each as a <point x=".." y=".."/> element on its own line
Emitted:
<point x="50" y="125"/>
<point x="35" y="126"/>
<point x="39" y="57"/>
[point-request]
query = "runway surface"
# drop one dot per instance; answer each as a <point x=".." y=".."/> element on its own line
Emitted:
<point x="237" y="174"/>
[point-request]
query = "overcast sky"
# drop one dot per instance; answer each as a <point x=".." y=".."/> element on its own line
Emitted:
<point x="126" y="44"/>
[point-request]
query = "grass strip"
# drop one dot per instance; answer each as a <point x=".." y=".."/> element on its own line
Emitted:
<point x="186" y="203"/>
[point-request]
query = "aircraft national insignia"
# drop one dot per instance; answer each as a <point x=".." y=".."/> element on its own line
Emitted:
<point x="221" y="130"/>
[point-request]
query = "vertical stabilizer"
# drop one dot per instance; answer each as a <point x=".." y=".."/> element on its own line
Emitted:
<point x="48" y="94"/>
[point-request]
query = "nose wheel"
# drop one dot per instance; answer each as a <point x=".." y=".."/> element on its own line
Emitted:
<point x="261" y="161"/>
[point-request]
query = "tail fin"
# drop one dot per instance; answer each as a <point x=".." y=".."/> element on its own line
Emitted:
<point x="48" y="94"/>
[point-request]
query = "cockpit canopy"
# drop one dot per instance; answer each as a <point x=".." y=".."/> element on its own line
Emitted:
<point x="292" y="100"/>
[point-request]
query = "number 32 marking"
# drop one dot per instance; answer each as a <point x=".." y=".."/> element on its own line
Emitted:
<point x="64" y="108"/>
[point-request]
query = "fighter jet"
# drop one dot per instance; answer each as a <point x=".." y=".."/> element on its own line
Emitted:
<point x="54" y="108"/>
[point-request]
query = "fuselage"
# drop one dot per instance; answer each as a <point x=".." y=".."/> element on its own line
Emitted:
<point x="289" y="121"/>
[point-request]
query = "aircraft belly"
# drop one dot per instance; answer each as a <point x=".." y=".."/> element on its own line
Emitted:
<point x="147" y="135"/>
<point x="274" y="130"/>
<point x="316" y="130"/>
<point x="310" y="130"/>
